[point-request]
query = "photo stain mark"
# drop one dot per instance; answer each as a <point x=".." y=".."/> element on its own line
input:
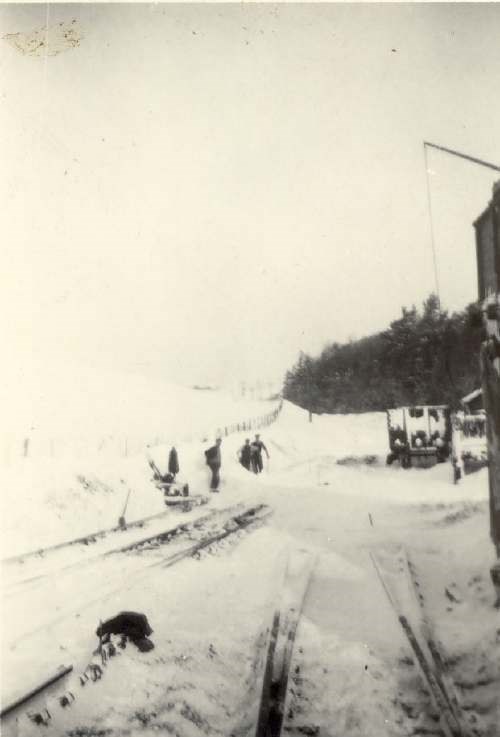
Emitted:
<point x="49" y="41"/>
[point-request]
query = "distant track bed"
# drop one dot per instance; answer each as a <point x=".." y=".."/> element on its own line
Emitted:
<point x="87" y="539"/>
<point x="238" y="514"/>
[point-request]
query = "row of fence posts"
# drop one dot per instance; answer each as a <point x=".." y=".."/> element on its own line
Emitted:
<point x="253" y="424"/>
<point x="247" y="425"/>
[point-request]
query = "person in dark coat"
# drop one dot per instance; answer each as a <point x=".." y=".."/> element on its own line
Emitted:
<point x="258" y="447"/>
<point x="133" y="625"/>
<point x="246" y="455"/>
<point x="214" y="461"/>
<point x="254" y="457"/>
<point x="173" y="462"/>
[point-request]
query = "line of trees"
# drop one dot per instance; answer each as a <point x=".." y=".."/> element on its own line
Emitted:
<point x="425" y="357"/>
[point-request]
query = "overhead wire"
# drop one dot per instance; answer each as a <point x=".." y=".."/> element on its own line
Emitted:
<point x="461" y="155"/>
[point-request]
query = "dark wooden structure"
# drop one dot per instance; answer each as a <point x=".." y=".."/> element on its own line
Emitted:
<point x="487" y="228"/>
<point x="488" y="267"/>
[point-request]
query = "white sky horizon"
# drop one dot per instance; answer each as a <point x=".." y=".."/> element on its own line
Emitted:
<point x="199" y="192"/>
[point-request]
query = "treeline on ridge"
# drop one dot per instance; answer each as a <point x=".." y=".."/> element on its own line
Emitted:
<point x="424" y="357"/>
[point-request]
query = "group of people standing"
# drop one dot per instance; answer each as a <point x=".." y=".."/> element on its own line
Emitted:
<point x="250" y="455"/>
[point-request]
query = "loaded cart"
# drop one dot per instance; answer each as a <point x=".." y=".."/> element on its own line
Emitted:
<point x="419" y="436"/>
<point x="174" y="493"/>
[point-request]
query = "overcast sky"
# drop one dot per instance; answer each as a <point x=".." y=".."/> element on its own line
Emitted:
<point x="200" y="191"/>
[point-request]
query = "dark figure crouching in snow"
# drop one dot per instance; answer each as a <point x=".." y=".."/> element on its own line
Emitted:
<point x="131" y="625"/>
<point x="246" y="455"/>
<point x="213" y="460"/>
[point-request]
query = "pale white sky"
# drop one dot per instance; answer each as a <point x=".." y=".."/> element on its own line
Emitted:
<point x="200" y="191"/>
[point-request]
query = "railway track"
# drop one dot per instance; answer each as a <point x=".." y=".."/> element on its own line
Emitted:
<point x="155" y="539"/>
<point x="39" y="703"/>
<point x="187" y="539"/>
<point x="398" y="577"/>
<point x="281" y="639"/>
<point x="400" y="582"/>
<point x="32" y="699"/>
<point x="87" y="539"/>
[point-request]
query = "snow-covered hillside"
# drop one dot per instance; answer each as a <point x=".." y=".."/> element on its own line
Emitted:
<point x="73" y="410"/>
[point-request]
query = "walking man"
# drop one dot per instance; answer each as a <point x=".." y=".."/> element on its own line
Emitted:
<point x="258" y="447"/>
<point x="214" y="460"/>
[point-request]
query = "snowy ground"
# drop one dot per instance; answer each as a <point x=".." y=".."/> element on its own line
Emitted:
<point x="352" y="673"/>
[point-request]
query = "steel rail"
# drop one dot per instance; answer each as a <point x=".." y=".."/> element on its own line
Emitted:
<point x="166" y="534"/>
<point x="84" y="539"/>
<point x="446" y="705"/>
<point x="281" y="640"/>
<point x="32" y="692"/>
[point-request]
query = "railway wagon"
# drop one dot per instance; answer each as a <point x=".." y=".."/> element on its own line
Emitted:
<point x="469" y="448"/>
<point x="487" y="228"/>
<point x="419" y="436"/>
